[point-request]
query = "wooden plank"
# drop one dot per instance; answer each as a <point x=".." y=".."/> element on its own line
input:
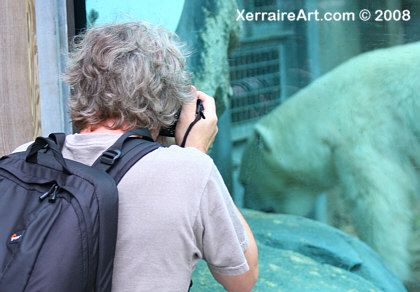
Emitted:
<point x="33" y="69"/>
<point x="19" y="94"/>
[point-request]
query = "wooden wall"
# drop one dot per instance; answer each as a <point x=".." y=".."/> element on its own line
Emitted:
<point x="19" y="86"/>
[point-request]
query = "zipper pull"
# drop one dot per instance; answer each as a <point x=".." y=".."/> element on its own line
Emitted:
<point x="46" y="194"/>
<point x="54" y="195"/>
<point x="53" y="190"/>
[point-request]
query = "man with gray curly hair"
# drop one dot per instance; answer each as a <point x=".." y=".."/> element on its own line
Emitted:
<point x="174" y="207"/>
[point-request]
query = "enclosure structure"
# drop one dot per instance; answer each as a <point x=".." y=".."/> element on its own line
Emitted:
<point x="272" y="61"/>
<point x="275" y="59"/>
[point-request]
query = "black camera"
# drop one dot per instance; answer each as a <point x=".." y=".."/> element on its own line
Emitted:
<point x="170" y="131"/>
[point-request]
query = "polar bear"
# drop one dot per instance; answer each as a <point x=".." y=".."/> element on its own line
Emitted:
<point x="357" y="128"/>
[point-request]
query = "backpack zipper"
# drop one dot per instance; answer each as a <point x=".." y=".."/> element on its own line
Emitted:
<point x="52" y="193"/>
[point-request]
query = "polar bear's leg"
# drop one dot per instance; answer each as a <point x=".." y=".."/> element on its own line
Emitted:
<point x="378" y="190"/>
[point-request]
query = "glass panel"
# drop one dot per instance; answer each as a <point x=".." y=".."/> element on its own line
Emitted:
<point x="322" y="97"/>
<point x="163" y="12"/>
<point x="323" y="112"/>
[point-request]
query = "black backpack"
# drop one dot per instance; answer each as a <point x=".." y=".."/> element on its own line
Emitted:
<point x="58" y="217"/>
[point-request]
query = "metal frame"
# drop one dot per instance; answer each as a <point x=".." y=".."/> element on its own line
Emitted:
<point x="51" y="20"/>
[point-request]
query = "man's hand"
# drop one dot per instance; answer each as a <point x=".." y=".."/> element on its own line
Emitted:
<point x="204" y="131"/>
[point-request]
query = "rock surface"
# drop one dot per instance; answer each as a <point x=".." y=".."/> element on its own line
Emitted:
<point x="298" y="254"/>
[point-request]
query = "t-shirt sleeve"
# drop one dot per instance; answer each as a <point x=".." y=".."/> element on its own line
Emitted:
<point x="22" y="147"/>
<point x="223" y="237"/>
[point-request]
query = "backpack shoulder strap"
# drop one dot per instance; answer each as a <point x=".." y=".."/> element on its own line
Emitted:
<point x="125" y="152"/>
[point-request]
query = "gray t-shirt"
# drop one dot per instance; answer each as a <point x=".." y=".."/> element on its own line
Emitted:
<point x="174" y="209"/>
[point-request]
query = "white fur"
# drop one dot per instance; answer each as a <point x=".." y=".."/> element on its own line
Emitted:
<point x="356" y="128"/>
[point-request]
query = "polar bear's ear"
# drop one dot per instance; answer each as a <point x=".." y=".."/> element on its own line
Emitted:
<point x="264" y="138"/>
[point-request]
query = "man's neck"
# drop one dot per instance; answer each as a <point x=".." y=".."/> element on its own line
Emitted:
<point x="106" y="128"/>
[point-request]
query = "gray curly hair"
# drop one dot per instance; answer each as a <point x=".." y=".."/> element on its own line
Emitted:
<point x="133" y="73"/>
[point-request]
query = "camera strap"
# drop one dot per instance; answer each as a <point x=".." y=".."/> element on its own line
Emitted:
<point x="199" y="115"/>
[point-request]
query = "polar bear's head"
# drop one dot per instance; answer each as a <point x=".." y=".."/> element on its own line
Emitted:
<point x="285" y="175"/>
